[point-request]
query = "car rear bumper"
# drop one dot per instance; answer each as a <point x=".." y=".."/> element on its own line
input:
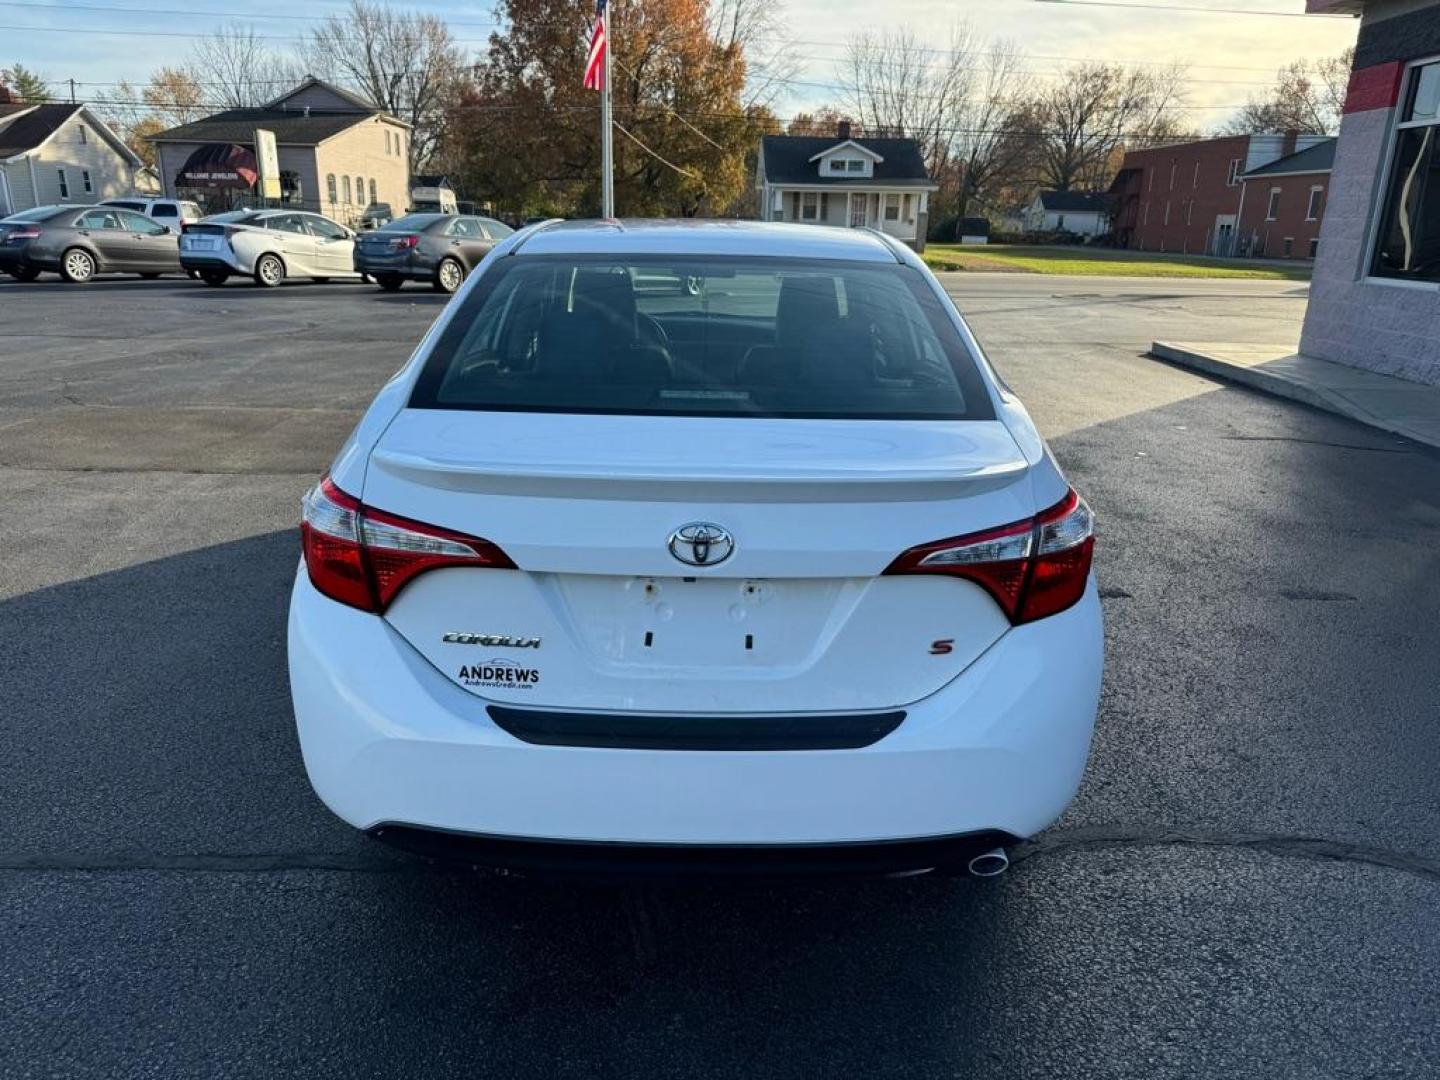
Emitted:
<point x="218" y="260"/>
<point x="407" y="265"/>
<point x="388" y="741"/>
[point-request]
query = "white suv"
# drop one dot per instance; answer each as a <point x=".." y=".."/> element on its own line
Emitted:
<point x="771" y="569"/>
<point x="177" y="213"/>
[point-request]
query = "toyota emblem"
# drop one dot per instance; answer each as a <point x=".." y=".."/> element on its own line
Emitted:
<point x="701" y="543"/>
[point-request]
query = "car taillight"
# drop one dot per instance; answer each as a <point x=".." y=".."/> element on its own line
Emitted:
<point x="363" y="557"/>
<point x="1032" y="568"/>
<point x="400" y="243"/>
<point x="30" y="233"/>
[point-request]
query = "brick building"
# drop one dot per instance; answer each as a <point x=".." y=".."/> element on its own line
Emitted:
<point x="1375" y="295"/>
<point x="1202" y="197"/>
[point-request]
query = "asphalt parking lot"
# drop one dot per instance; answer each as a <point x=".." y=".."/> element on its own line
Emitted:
<point x="1247" y="885"/>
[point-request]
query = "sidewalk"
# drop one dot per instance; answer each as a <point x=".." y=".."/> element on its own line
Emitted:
<point x="1395" y="405"/>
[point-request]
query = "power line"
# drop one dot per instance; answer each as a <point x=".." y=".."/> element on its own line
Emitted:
<point x="683" y="172"/>
<point x="1193" y="9"/>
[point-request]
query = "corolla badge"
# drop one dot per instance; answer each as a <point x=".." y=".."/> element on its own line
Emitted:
<point x="701" y="543"/>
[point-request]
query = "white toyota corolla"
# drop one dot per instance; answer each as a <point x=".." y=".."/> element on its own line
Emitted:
<point x="697" y="545"/>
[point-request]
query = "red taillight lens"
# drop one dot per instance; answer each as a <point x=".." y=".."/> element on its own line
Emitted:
<point x="400" y="243"/>
<point x="364" y="557"/>
<point x="30" y="233"/>
<point x="1032" y="568"/>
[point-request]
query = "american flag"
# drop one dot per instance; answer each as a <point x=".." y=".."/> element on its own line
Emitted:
<point x="595" y="60"/>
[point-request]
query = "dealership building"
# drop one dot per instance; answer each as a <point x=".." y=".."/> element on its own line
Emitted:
<point x="1375" y="295"/>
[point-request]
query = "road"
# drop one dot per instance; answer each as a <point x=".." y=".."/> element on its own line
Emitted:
<point x="1248" y="884"/>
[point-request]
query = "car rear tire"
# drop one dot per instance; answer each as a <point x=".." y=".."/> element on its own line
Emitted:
<point x="389" y="282"/>
<point x="269" y="271"/>
<point x="214" y="277"/>
<point x="77" y="266"/>
<point x="25" y="273"/>
<point x="449" y="275"/>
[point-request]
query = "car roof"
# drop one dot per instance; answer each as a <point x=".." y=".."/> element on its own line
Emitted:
<point x="687" y="237"/>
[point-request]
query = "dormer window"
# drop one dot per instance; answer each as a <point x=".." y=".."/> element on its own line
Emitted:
<point x="846" y="165"/>
<point x="838" y="164"/>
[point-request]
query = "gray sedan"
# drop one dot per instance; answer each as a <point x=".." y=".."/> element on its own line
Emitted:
<point x="78" y="242"/>
<point x="439" y="248"/>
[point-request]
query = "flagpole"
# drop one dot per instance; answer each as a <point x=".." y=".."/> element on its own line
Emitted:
<point x="607" y="170"/>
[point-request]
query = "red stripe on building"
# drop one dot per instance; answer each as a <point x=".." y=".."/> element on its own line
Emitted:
<point x="1375" y="87"/>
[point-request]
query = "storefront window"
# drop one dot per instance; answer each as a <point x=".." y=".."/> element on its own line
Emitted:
<point x="1408" y="242"/>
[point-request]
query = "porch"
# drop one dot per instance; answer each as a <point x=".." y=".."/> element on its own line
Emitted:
<point x="901" y="214"/>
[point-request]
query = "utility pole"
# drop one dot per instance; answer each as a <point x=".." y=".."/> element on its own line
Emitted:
<point x="607" y="172"/>
<point x="72" y="91"/>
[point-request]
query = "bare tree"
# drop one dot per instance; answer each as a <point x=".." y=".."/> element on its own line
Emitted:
<point x="241" y="71"/>
<point x="758" y="31"/>
<point x="1092" y="111"/>
<point x="1308" y="97"/>
<point x="406" y="63"/>
<point x="981" y="126"/>
<point x="895" y="82"/>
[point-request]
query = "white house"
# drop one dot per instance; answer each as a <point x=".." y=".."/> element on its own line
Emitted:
<point x="56" y="154"/>
<point x="879" y="183"/>
<point x="1076" y="212"/>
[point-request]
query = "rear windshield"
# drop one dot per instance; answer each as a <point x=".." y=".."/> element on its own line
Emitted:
<point x="414" y="222"/>
<point x="703" y="337"/>
<point x="233" y="217"/>
<point x="40" y="213"/>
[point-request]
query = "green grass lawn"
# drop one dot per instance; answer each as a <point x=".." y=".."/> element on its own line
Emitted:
<point x="1085" y="262"/>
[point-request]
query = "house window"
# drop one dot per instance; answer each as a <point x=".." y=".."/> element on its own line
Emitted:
<point x="1289" y="246"/>
<point x="1408" y="233"/>
<point x="854" y="165"/>
<point x="82" y="134"/>
<point x="1272" y="209"/>
<point x="85" y="181"/>
<point x="838" y="164"/>
<point x="359" y="190"/>
<point x="1233" y="176"/>
<point x="1314" y="246"/>
<point x="372" y="190"/>
<point x="64" y="184"/>
<point x="387" y="142"/>
<point x="892" y="207"/>
<point x="809" y="205"/>
<point x="345" y="187"/>
<point x="1059" y="222"/>
<point x="1317" y="197"/>
<point x="330" y="187"/>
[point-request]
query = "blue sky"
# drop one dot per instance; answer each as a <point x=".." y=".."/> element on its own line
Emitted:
<point x="1231" y="48"/>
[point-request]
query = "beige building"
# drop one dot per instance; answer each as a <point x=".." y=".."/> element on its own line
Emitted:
<point x="337" y="153"/>
<point x="60" y="154"/>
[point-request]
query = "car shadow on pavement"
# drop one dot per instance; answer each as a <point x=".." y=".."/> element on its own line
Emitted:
<point x="151" y="749"/>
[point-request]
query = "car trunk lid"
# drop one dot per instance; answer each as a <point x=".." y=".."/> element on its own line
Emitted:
<point x="788" y="612"/>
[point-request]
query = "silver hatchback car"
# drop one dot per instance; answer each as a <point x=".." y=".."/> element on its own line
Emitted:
<point x="268" y="246"/>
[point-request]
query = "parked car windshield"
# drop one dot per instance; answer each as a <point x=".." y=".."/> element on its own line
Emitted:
<point x="40" y="213"/>
<point x="413" y="223"/>
<point x="232" y="217"/>
<point x="703" y="337"/>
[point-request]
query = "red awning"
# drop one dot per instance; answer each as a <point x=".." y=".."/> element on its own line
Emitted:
<point x="219" y="165"/>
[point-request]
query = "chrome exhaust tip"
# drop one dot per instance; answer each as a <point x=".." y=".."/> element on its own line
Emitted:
<point x="992" y="863"/>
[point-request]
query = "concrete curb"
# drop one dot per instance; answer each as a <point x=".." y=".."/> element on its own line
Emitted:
<point x="1288" y="385"/>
